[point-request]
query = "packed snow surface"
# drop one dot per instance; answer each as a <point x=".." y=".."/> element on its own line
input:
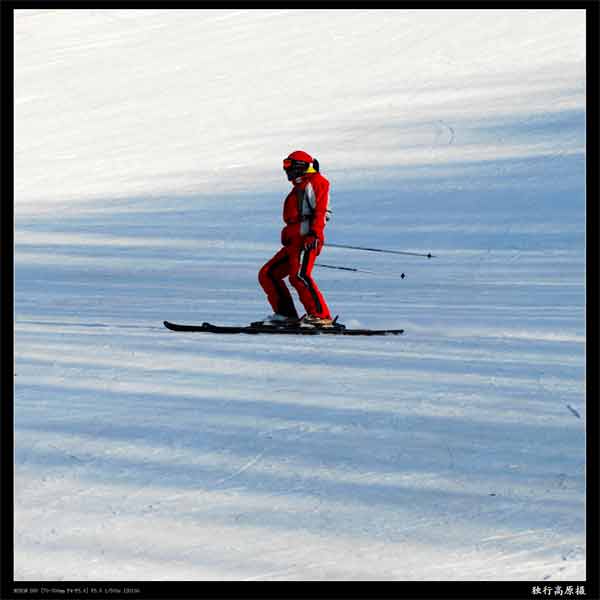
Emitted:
<point x="148" y="148"/>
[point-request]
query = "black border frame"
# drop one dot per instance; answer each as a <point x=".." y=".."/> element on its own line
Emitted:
<point x="207" y="589"/>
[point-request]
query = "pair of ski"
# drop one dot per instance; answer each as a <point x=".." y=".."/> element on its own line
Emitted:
<point x="289" y="330"/>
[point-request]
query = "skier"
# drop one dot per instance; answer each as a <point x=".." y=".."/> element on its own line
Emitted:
<point x="305" y="212"/>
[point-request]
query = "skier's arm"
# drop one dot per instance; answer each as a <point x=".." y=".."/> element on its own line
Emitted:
<point x="317" y="224"/>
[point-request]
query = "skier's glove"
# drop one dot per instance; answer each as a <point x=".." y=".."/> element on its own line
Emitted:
<point x="311" y="242"/>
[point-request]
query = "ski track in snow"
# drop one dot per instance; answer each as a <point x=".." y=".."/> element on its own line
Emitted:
<point x="454" y="452"/>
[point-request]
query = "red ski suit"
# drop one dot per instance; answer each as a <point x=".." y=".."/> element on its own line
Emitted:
<point x="305" y="214"/>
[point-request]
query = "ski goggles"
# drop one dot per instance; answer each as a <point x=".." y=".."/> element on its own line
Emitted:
<point x="288" y="163"/>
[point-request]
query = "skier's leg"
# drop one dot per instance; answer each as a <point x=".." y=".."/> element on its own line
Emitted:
<point x="301" y="265"/>
<point x="271" y="277"/>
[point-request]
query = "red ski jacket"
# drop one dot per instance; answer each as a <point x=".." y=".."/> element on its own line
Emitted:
<point x="306" y="210"/>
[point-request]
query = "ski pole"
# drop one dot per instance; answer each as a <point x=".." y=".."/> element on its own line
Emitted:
<point x="428" y="255"/>
<point x="402" y="275"/>
<point x="344" y="268"/>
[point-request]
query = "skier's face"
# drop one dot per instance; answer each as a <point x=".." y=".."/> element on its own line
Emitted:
<point x="294" y="169"/>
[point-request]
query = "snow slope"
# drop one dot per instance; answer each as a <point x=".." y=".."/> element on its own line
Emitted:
<point x="148" y="185"/>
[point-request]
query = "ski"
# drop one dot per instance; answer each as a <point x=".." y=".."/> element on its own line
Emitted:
<point x="257" y="329"/>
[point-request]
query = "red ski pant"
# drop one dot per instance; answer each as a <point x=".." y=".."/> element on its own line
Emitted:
<point x="297" y="264"/>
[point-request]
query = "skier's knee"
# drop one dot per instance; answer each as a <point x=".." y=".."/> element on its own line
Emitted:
<point x="263" y="276"/>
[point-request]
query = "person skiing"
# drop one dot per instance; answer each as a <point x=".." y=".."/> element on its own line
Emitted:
<point x="305" y="213"/>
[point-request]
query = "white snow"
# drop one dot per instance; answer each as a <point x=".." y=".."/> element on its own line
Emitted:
<point x="148" y="186"/>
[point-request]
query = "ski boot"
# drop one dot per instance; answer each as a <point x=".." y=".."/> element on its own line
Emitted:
<point x="320" y="322"/>
<point x="276" y="320"/>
